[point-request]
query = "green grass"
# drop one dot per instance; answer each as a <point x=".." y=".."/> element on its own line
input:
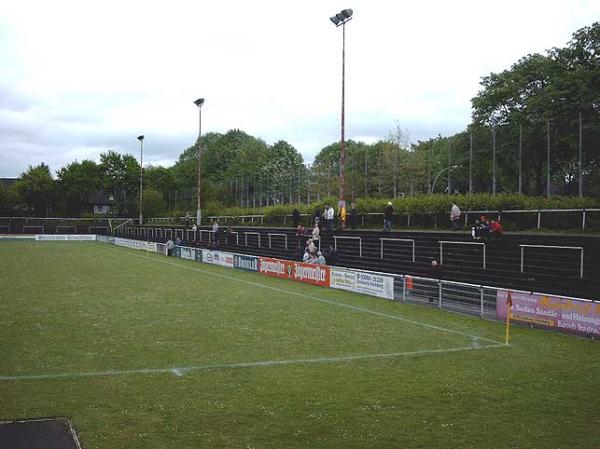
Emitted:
<point x="73" y="308"/>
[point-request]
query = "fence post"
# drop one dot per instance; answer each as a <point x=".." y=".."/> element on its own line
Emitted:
<point x="583" y="221"/>
<point x="539" y="218"/>
<point x="440" y="293"/>
<point x="481" y="299"/>
<point x="403" y="288"/>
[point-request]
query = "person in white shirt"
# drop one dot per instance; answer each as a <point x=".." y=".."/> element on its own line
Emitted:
<point x="454" y="216"/>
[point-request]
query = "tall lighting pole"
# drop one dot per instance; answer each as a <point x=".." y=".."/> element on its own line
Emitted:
<point x="199" y="102"/>
<point x="141" y="139"/>
<point x="340" y="19"/>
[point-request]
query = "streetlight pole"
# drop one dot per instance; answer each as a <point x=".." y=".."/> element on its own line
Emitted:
<point x="199" y="102"/>
<point x="342" y="18"/>
<point x="438" y="175"/>
<point x="141" y="139"/>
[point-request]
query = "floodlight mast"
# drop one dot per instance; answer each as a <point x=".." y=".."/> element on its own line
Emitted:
<point x="340" y="19"/>
<point x="141" y="139"/>
<point x="199" y="102"/>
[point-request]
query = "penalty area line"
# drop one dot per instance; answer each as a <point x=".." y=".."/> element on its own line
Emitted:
<point x="180" y="371"/>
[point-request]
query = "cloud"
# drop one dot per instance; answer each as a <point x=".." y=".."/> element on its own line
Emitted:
<point x="79" y="78"/>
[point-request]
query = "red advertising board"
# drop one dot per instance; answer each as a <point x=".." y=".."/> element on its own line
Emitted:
<point x="566" y="315"/>
<point x="297" y="271"/>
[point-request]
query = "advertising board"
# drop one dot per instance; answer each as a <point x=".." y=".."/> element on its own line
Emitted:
<point x="566" y="315"/>
<point x="247" y="263"/>
<point x="374" y="284"/>
<point x="217" y="258"/>
<point x="187" y="253"/>
<point x="297" y="271"/>
<point x="64" y="237"/>
<point x="136" y="244"/>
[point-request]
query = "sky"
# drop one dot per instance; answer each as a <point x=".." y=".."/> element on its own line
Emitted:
<point x="79" y="78"/>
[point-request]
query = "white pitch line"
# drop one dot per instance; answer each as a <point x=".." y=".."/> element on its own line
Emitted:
<point x="326" y="301"/>
<point x="181" y="370"/>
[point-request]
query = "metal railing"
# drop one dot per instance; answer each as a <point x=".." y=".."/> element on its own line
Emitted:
<point x="397" y="240"/>
<point x="538" y="213"/>
<point x="271" y="234"/>
<point x="452" y="242"/>
<point x="579" y="248"/>
<point x="348" y="237"/>
<point x="251" y="233"/>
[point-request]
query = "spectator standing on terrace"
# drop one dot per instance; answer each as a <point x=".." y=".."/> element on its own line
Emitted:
<point x="387" y="217"/>
<point x="215" y="226"/>
<point x="320" y="259"/>
<point x="300" y="237"/>
<point x="435" y="272"/>
<point x="353" y="216"/>
<point x="296" y="217"/>
<point x="331" y="256"/>
<point x="342" y="217"/>
<point x="454" y="216"/>
<point x="170" y="246"/>
<point x="330" y="213"/>
<point x="315" y="232"/>
<point x="317" y="216"/>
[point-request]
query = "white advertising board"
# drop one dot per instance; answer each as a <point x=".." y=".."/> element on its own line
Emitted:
<point x="374" y="284"/>
<point x="217" y="258"/>
<point x="65" y="237"/>
<point x="187" y="253"/>
<point x="136" y="244"/>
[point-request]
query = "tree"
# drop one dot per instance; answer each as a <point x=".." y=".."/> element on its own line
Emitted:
<point x="153" y="203"/>
<point x="121" y="178"/>
<point x="9" y="199"/>
<point x="541" y="98"/>
<point x="36" y="187"/>
<point x="77" y="182"/>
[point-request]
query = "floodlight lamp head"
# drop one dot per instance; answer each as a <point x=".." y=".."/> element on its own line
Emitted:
<point x="347" y="13"/>
<point x="199" y="102"/>
<point x="140" y="138"/>
<point x="335" y="20"/>
<point x="340" y="17"/>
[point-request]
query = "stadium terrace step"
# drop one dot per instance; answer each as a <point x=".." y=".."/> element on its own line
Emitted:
<point x="548" y="270"/>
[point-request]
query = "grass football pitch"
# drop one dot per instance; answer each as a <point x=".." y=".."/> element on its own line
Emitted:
<point x="141" y="351"/>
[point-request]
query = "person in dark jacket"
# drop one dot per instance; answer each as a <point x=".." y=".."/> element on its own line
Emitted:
<point x="353" y="216"/>
<point x="331" y="256"/>
<point x="387" y="218"/>
<point x="296" y="217"/>
<point x="318" y="217"/>
<point x="435" y="272"/>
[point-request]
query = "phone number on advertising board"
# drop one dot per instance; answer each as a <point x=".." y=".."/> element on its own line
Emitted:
<point x="369" y="278"/>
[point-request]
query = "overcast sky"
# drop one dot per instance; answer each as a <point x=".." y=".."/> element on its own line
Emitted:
<point x="78" y="78"/>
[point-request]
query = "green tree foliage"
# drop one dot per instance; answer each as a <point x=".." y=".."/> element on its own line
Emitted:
<point x="9" y="199"/>
<point x="121" y="179"/>
<point x="153" y="203"/>
<point x="37" y="188"/>
<point x="77" y="182"/>
<point x="542" y="93"/>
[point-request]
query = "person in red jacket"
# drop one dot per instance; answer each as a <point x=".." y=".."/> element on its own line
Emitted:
<point x="495" y="230"/>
